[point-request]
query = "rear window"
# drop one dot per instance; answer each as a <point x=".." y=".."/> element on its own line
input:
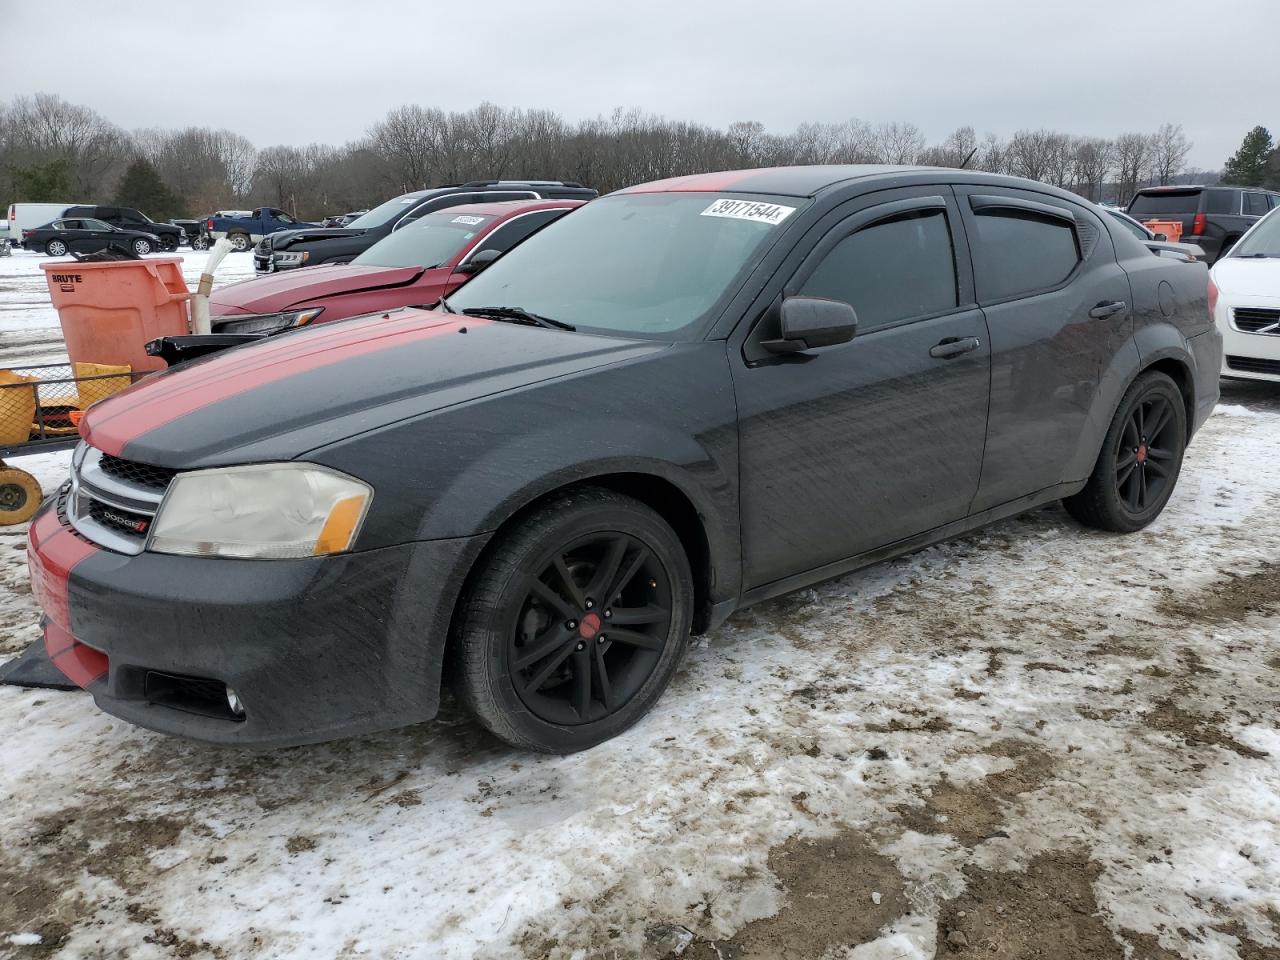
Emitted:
<point x="1165" y="201"/>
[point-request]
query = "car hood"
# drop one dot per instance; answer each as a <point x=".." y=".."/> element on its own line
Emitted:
<point x="279" y="291"/>
<point x="279" y="398"/>
<point x="285" y="238"/>
<point x="1248" y="277"/>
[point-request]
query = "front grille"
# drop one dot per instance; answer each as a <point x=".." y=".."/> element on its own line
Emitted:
<point x="143" y="474"/>
<point x="123" y="521"/>
<point x="112" y="502"/>
<point x="1253" y="365"/>
<point x="1256" y="320"/>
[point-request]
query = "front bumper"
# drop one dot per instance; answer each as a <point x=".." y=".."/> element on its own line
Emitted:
<point x="1247" y="356"/>
<point x="315" y="649"/>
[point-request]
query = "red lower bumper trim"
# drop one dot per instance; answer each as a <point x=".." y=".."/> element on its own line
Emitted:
<point x="80" y="664"/>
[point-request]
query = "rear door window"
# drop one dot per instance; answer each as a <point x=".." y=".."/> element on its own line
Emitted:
<point x="1255" y="204"/>
<point x="1165" y="202"/>
<point x="1222" y="201"/>
<point x="890" y="271"/>
<point x="1016" y="253"/>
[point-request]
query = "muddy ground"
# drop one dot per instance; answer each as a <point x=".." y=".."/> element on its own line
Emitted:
<point x="1033" y="742"/>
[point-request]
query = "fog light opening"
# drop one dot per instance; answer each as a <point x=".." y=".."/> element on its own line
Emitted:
<point x="234" y="704"/>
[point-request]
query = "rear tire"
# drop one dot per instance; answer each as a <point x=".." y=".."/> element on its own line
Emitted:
<point x="1140" y="461"/>
<point x="574" y="625"/>
<point x="141" y="246"/>
<point x="240" y="242"/>
<point x="200" y="243"/>
<point x="56" y="248"/>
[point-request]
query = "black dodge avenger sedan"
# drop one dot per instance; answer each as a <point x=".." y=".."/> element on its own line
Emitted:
<point x="683" y="398"/>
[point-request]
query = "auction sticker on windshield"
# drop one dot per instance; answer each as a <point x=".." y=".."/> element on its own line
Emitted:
<point x="753" y="210"/>
<point x="469" y="220"/>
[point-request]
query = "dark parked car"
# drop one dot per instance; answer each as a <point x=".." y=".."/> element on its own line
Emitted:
<point x="192" y="233"/>
<point x="427" y="260"/>
<point x="342" y="219"/>
<point x="84" y="235"/>
<point x="127" y="218"/>
<point x="684" y="398"/>
<point x="1213" y="218"/>
<point x="290" y="249"/>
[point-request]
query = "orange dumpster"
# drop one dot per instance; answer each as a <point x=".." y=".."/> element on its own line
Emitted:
<point x="1170" y="228"/>
<point x="110" y="310"/>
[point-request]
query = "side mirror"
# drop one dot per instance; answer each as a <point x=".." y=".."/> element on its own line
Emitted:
<point x="479" y="261"/>
<point x="807" y="323"/>
<point x="1162" y="237"/>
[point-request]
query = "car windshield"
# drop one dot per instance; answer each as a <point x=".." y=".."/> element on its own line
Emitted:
<point x="639" y="264"/>
<point x="1263" y="240"/>
<point x="432" y="241"/>
<point x="385" y="212"/>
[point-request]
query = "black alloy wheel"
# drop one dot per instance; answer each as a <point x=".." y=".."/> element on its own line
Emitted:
<point x="1147" y="445"/>
<point x="591" y="629"/>
<point x="573" y="623"/>
<point x="1140" y="460"/>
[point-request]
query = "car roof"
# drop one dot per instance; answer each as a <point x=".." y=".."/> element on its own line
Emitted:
<point x="507" y="208"/>
<point x="798" y="181"/>
<point x="810" y="181"/>
<point x="1176" y="188"/>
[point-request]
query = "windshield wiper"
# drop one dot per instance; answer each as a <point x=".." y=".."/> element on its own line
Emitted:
<point x="518" y="315"/>
<point x="1258" y="256"/>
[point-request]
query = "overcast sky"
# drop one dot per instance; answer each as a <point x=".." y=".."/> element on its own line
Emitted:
<point x="297" y="71"/>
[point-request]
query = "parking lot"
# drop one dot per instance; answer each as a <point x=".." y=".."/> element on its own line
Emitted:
<point x="1035" y="741"/>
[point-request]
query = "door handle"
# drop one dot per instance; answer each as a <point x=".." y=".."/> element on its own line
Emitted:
<point x="953" y="347"/>
<point x="1108" y="309"/>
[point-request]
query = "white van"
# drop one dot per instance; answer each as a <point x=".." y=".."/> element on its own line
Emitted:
<point x="28" y="216"/>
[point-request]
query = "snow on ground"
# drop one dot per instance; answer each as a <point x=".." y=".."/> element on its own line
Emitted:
<point x="1036" y="740"/>
<point x="29" y="331"/>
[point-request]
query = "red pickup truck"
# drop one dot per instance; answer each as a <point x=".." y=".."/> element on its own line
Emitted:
<point x="419" y="264"/>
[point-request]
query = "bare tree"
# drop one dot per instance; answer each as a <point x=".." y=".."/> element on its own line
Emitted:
<point x="1091" y="161"/>
<point x="1132" y="159"/>
<point x="1169" y="149"/>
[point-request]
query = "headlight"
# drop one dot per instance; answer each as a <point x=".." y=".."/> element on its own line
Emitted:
<point x="266" y="511"/>
<point x="265" y="322"/>
<point x="292" y="259"/>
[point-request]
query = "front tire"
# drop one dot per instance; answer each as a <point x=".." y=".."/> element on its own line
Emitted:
<point x="56" y="248"/>
<point x="575" y="623"/>
<point x="1140" y="461"/>
<point x="168" y="244"/>
<point x="141" y="246"/>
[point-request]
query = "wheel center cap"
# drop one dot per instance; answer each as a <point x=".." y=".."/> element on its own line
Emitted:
<point x="589" y="626"/>
<point x="1142" y="453"/>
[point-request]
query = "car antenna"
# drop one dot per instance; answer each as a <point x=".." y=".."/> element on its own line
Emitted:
<point x="968" y="158"/>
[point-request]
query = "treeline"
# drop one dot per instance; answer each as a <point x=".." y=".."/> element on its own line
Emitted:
<point x="51" y="149"/>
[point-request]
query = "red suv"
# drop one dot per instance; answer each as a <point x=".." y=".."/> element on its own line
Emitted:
<point x="419" y="264"/>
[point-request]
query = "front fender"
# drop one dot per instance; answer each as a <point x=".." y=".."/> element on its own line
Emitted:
<point x="471" y="467"/>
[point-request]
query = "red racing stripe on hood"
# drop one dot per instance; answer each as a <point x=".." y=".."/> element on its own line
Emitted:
<point x="111" y="425"/>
